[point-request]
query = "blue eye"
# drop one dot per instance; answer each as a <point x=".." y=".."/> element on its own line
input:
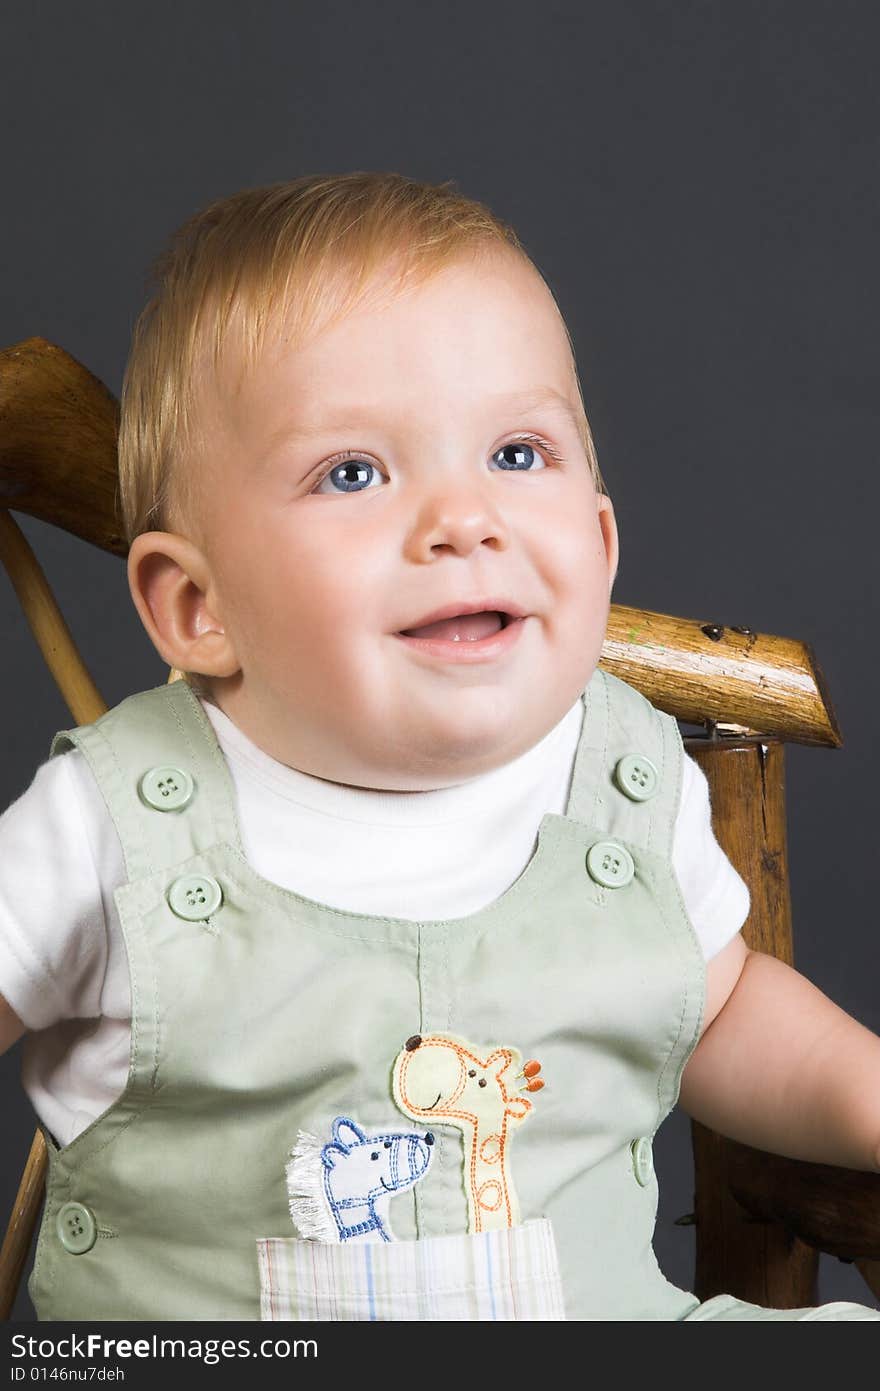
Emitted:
<point x="516" y="457"/>
<point x="347" y="476"/>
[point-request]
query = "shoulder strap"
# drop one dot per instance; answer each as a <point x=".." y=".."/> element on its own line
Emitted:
<point x="131" y="750"/>
<point x="619" y="721"/>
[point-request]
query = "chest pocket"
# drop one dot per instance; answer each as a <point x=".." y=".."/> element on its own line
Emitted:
<point x="499" y="1275"/>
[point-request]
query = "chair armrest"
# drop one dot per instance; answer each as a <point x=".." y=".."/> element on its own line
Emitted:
<point x="834" y="1209"/>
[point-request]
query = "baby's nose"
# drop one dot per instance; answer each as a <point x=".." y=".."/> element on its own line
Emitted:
<point x="462" y="519"/>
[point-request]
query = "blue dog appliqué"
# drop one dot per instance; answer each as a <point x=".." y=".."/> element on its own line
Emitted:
<point x="361" y="1172"/>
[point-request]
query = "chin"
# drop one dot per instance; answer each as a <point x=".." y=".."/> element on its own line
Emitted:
<point x="466" y="751"/>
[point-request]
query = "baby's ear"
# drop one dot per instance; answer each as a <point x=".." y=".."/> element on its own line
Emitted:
<point x="170" y="584"/>
<point x="608" y="527"/>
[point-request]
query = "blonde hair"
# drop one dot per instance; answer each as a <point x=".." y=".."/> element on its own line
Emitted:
<point x="302" y="252"/>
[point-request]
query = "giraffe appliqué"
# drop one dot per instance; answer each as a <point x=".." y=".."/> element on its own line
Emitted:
<point x="449" y="1081"/>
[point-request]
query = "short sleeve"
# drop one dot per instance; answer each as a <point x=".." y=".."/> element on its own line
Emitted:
<point x="53" y="939"/>
<point x="716" y="898"/>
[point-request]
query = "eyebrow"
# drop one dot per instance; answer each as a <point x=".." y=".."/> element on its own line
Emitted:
<point x="522" y="401"/>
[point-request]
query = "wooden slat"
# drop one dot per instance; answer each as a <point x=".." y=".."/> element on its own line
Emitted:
<point x="746" y="779"/>
<point x="755" y="1260"/>
<point x="759" y="1261"/>
<point x="834" y="1209"/>
<point x="20" y="1230"/>
<point x="698" y="670"/>
<point x="58" y="430"/>
<point x="47" y="624"/>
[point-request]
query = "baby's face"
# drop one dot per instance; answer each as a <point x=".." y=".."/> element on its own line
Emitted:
<point x="387" y="469"/>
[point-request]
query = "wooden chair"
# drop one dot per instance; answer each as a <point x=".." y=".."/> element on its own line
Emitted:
<point x="760" y="1220"/>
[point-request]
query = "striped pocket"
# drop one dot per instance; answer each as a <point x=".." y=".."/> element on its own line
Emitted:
<point x="509" y="1273"/>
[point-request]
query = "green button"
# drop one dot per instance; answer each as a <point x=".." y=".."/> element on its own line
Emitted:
<point x="76" y="1228"/>
<point x="637" y="777"/>
<point x="643" y="1160"/>
<point x="610" y="864"/>
<point x="166" y="788"/>
<point x="195" y="897"/>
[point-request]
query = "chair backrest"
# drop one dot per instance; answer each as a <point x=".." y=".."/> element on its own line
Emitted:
<point x="749" y="692"/>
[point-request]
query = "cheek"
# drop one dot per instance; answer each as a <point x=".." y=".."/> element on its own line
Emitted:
<point x="565" y="522"/>
<point x="589" y="543"/>
<point x="343" y="578"/>
<point x="302" y="608"/>
<point x="252" y="584"/>
<point x="270" y="577"/>
<point x="574" y="555"/>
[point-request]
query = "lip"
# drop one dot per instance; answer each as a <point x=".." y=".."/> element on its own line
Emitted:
<point x="494" y="604"/>
<point x="484" y="650"/>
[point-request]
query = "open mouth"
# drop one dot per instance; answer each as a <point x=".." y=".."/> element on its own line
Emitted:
<point x="464" y="627"/>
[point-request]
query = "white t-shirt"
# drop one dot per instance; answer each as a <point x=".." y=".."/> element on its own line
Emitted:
<point x="436" y="855"/>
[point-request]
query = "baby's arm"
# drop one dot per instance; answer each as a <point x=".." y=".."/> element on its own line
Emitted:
<point x="53" y="937"/>
<point x="782" y="1068"/>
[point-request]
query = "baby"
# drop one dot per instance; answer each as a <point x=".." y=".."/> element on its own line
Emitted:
<point x="364" y="963"/>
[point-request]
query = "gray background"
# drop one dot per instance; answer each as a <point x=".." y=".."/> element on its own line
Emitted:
<point x="697" y="182"/>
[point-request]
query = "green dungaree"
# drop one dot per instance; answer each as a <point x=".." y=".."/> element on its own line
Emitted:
<point x="258" y="1013"/>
